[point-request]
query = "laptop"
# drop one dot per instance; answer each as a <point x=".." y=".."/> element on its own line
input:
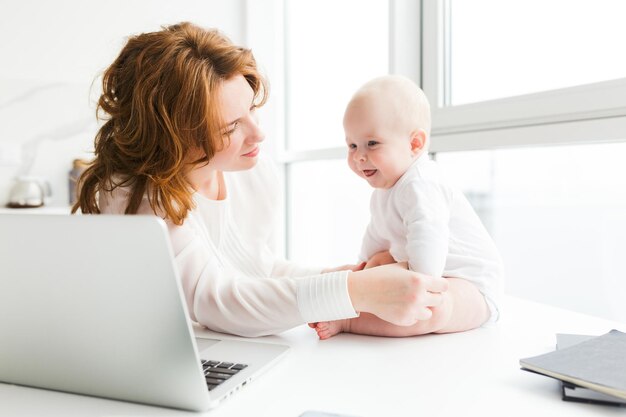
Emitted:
<point x="93" y="305"/>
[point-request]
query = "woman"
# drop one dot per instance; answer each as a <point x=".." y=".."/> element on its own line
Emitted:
<point x="181" y="141"/>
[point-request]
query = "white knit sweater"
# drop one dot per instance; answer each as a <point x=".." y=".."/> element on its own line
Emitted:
<point x="232" y="280"/>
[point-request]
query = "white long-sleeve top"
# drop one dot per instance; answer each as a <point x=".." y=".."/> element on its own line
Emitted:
<point x="232" y="281"/>
<point x="427" y="222"/>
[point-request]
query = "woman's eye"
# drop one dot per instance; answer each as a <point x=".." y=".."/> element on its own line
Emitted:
<point x="234" y="127"/>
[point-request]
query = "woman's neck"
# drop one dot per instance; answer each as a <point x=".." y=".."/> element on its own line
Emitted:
<point x="208" y="182"/>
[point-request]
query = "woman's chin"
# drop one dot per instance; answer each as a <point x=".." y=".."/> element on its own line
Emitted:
<point x="244" y="163"/>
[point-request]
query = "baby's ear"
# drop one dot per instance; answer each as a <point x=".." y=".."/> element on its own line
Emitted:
<point x="418" y="141"/>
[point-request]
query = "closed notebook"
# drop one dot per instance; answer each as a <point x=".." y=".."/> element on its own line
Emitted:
<point x="598" y="364"/>
<point x="572" y="392"/>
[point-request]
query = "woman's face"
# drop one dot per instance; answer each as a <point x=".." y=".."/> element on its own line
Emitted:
<point x="242" y="135"/>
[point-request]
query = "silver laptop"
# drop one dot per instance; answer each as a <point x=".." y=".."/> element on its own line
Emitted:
<point x="93" y="305"/>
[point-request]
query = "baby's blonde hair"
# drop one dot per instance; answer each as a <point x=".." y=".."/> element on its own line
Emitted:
<point x="409" y="103"/>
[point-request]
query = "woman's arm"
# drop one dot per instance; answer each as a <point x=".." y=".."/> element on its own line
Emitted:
<point x="226" y="300"/>
<point x="241" y="298"/>
<point x="463" y="308"/>
<point x="395" y="294"/>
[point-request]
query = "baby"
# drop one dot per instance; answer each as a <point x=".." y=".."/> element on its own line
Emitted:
<point x="416" y="217"/>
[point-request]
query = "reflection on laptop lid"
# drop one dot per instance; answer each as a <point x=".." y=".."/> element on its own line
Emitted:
<point x="93" y="305"/>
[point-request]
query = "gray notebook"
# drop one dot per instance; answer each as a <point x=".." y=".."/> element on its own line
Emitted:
<point x="598" y="364"/>
<point x="571" y="392"/>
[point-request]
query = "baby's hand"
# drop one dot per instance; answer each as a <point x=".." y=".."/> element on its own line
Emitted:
<point x="380" y="258"/>
<point x="348" y="267"/>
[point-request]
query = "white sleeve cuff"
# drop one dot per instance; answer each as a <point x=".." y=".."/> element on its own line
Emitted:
<point x="494" y="312"/>
<point x="325" y="297"/>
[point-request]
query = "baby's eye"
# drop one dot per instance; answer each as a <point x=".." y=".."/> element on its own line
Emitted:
<point x="372" y="143"/>
<point x="351" y="146"/>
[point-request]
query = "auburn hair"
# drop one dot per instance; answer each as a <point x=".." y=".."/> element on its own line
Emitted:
<point x="160" y="103"/>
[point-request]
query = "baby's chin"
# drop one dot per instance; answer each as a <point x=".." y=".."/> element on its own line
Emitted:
<point x="381" y="183"/>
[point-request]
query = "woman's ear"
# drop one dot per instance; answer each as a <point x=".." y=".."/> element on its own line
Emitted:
<point x="418" y="141"/>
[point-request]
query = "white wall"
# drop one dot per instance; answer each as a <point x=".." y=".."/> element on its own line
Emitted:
<point x="51" y="53"/>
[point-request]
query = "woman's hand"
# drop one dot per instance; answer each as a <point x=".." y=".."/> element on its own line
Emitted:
<point x="395" y="294"/>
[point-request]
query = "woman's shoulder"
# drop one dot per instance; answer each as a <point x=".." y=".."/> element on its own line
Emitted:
<point x="114" y="199"/>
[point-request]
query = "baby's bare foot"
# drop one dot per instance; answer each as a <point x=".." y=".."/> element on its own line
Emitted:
<point x="327" y="329"/>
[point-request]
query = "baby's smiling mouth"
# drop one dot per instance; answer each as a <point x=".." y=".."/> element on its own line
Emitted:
<point x="369" y="172"/>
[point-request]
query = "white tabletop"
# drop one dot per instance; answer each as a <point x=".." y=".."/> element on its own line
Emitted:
<point x="475" y="373"/>
<point x="37" y="210"/>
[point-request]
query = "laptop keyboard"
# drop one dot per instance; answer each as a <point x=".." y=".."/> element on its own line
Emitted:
<point x="216" y="372"/>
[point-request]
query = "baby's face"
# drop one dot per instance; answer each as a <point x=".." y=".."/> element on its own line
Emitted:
<point x="378" y="151"/>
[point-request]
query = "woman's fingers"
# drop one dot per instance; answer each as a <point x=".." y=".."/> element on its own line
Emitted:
<point x="432" y="299"/>
<point x="395" y="294"/>
<point x="435" y="284"/>
<point x="423" y="314"/>
<point x="428" y="293"/>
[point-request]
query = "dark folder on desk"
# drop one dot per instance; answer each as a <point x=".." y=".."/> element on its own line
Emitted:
<point x="597" y="364"/>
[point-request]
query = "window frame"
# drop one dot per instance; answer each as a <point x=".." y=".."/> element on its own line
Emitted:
<point x="581" y="114"/>
<point x="591" y="113"/>
<point x="403" y="33"/>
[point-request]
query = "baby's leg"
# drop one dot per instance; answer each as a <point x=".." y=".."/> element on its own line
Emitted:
<point x="366" y="324"/>
<point x="369" y="324"/>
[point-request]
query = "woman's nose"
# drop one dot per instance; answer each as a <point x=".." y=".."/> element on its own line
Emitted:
<point x="256" y="134"/>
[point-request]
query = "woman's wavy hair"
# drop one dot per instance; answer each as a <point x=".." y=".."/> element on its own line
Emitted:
<point x="160" y="98"/>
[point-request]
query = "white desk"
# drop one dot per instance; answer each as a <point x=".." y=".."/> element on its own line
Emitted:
<point x="465" y="374"/>
<point x="37" y="210"/>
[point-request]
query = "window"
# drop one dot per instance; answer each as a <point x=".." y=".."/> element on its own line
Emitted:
<point x="519" y="80"/>
<point x="326" y="61"/>
<point x="505" y="48"/>
<point x="328" y="212"/>
<point x="495" y="70"/>
<point x="558" y="217"/>
<point x="529" y="118"/>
